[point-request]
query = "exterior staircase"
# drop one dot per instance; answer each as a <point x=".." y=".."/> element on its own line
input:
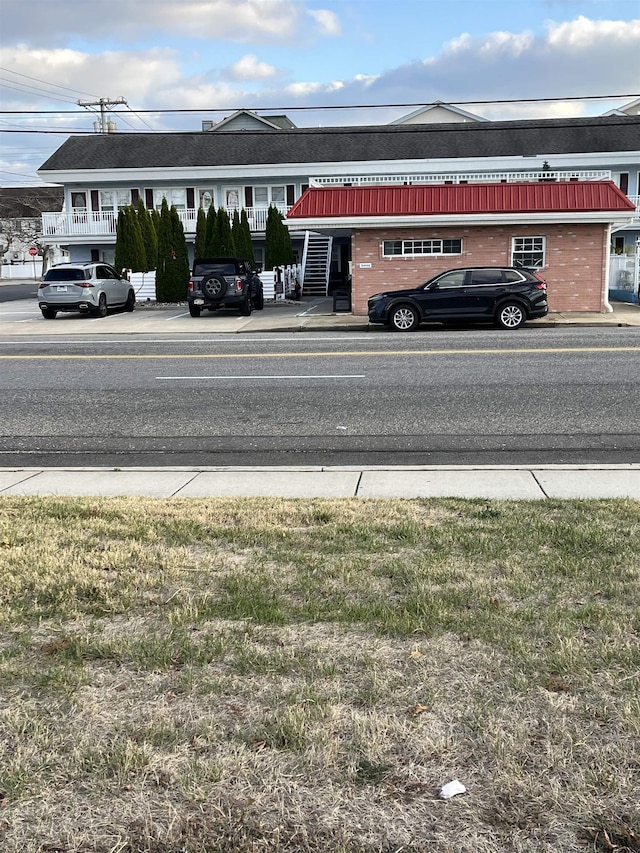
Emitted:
<point x="316" y="260"/>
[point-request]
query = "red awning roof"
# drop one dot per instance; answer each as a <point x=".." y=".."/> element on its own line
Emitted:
<point x="447" y="199"/>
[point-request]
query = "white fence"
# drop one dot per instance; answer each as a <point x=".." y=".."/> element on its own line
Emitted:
<point x="624" y="277"/>
<point x="276" y="284"/>
<point x="27" y="269"/>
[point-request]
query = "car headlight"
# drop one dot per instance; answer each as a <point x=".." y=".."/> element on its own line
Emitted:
<point x="377" y="296"/>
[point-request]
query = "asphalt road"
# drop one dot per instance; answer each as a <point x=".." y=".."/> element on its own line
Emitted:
<point x="435" y="397"/>
<point x="14" y="292"/>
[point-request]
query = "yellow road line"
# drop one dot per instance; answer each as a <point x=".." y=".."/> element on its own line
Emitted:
<point x="349" y="353"/>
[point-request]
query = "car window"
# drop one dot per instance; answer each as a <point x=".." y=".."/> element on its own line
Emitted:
<point x="512" y="275"/>
<point x="451" y="279"/>
<point x="486" y="276"/>
<point x="223" y="269"/>
<point x="64" y="275"/>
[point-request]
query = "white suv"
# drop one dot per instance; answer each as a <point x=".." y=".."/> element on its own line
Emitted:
<point x="91" y="288"/>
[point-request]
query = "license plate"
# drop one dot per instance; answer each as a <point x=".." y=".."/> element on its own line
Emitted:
<point x="198" y="301"/>
<point x="61" y="288"/>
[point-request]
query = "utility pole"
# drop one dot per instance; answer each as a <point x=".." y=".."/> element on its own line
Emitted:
<point x="103" y="103"/>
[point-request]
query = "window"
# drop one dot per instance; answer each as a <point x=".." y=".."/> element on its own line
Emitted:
<point x="528" y="251"/>
<point x="617" y="245"/>
<point x="455" y="278"/>
<point x="206" y="199"/>
<point x="177" y="198"/>
<point x="79" y="201"/>
<point x="112" y="200"/>
<point x="486" y="276"/>
<point x="392" y="248"/>
<point x="264" y="196"/>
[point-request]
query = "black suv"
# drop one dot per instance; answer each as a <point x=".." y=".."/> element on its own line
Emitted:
<point x="224" y="283"/>
<point x="506" y="296"/>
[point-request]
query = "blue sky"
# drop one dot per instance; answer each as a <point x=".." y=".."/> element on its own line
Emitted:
<point x="217" y="55"/>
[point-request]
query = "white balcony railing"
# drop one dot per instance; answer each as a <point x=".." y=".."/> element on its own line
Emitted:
<point x="460" y="178"/>
<point x="94" y="223"/>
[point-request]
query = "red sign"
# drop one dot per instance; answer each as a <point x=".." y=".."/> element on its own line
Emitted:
<point x="33" y="251"/>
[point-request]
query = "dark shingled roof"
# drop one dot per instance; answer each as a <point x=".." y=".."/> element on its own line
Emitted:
<point x="343" y="144"/>
<point x="25" y="202"/>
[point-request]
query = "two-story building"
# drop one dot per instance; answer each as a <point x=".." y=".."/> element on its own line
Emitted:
<point x="250" y="161"/>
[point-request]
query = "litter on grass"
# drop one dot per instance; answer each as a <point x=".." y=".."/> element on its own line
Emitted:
<point x="451" y="789"/>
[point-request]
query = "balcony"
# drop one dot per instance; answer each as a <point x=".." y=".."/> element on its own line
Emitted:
<point x="461" y="178"/>
<point x="59" y="227"/>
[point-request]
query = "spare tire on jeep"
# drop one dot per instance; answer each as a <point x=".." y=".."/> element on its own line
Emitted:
<point x="214" y="285"/>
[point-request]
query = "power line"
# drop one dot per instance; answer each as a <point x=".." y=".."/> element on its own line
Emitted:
<point x="291" y="108"/>
<point x="46" y="82"/>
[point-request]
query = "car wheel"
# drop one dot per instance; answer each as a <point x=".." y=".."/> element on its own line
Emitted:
<point x="246" y="306"/>
<point x="130" y="304"/>
<point x="511" y="315"/>
<point x="214" y="286"/>
<point x="101" y="310"/>
<point x="194" y="310"/>
<point x="49" y="313"/>
<point x="403" y="318"/>
<point x="259" y="301"/>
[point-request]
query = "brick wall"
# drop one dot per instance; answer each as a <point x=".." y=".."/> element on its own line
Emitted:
<point x="576" y="259"/>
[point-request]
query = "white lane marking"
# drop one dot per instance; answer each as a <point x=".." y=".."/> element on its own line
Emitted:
<point x="275" y="376"/>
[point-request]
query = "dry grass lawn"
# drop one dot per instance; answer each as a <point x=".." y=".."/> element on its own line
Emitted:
<point x="191" y="676"/>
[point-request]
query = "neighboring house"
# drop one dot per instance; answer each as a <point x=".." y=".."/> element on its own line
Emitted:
<point x="248" y="120"/>
<point x="21" y="211"/>
<point x="630" y="109"/>
<point x="403" y="235"/>
<point x="437" y="113"/>
<point x="250" y="162"/>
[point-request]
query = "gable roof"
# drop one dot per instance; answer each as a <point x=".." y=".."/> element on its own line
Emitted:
<point x="630" y="109"/>
<point x="247" y="120"/>
<point x="437" y="108"/>
<point x="346" y="144"/>
<point x="368" y="206"/>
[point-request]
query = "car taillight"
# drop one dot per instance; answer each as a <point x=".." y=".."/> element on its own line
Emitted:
<point x="239" y="284"/>
<point x="542" y="284"/>
<point x="43" y="284"/>
<point x="190" y="288"/>
<point x="83" y="283"/>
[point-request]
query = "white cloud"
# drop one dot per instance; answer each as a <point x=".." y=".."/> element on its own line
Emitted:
<point x="582" y="34"/>
<point x="327" y="21"/>
<point x="246" y="20"/>
<point x="580" y="57"/>
<point x="301" y="90"/>
<point x="249" y="68"/>
<point x="46" y="22"/>
<point x="71" y="74"/>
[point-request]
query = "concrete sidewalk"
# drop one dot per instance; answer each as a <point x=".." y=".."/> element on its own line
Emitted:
<point x="489" y="483"/>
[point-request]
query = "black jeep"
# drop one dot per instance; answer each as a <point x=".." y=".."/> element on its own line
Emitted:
<point x="224" y="283"/>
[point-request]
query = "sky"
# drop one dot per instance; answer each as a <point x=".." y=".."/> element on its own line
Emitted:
<point x="320" y="62"/>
